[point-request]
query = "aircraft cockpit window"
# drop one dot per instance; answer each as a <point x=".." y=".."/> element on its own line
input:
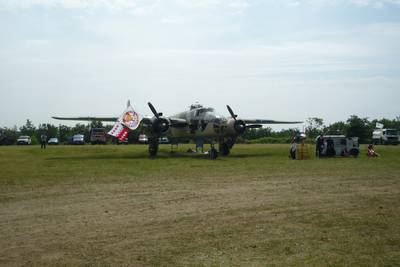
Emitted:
<point x="201" y="111"/>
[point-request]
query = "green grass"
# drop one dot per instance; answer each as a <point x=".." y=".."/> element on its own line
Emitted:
<point x="113" y="205"/>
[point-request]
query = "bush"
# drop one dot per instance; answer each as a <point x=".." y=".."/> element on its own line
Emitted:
<point x="34" y="140"/>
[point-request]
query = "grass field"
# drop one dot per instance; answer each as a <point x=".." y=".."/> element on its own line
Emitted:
<point x="112" y="205"/>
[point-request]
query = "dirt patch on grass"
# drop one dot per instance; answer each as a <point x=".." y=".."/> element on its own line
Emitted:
<point x="226" y="221"/>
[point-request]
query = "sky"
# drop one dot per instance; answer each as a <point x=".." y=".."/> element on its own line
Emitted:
<point x="283" y="60"/>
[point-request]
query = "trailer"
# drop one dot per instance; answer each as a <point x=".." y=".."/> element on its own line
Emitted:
<point x="340" y="146"/>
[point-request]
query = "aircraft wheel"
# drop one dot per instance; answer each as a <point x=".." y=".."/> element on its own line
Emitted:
<point x="213" y="153"/>
<point x="153" y="148"/>
<point x="224" y="149"/>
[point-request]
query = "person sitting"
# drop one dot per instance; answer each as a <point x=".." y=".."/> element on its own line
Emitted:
<point x="371" y="152"/>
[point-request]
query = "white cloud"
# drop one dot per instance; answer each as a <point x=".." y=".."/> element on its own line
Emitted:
<point x="140" y="5"/>
<point x="143" y="5"/>
<point x="360" y="3"/>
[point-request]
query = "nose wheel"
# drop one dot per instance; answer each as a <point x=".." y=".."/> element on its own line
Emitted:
<point x="153" y="147"/>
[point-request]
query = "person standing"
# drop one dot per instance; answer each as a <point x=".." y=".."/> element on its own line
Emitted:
<point x="293" y="148"/>
<point x="319" y="146"/>
<point x="43" y="141"/>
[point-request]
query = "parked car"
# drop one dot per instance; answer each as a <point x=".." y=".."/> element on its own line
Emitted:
<point x="24" y="140"/>
<point x="143" y="139"/>
<point x="163" y="140"/>
<point x="68" y="140"/>
<point x="78" y="139"/>
<point x="53" y="141"/>
<point x="6" y="140"/>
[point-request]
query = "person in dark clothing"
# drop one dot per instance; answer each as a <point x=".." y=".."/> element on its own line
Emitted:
<point x="330" y="148"/>
<point x="43" y="141"/>
<point x="319" y="146"/>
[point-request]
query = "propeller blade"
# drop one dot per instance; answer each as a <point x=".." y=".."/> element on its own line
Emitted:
<point x="231" y="112"/>
<point x="153" y="110"/>
<point x="253" y="126"/>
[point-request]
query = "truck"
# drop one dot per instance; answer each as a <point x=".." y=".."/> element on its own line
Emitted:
<point x="385" y="137"/>
<point x="340" y="145"/>
<point x="98" y="136"/>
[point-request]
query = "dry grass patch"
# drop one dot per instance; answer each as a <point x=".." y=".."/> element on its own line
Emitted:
<point x="255" y="208"/>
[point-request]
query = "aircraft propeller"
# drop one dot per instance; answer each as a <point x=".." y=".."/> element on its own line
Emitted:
<point x="156" y="114"/>
<point x="234" y="116"/>
<point x="240" y="126"/>
<point x="162" y="124"/>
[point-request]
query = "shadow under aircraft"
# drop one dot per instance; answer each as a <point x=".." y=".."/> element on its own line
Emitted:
<point x="200" y="124"/>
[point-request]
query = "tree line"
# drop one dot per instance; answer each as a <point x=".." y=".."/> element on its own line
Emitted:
<point x="353" y="126"/>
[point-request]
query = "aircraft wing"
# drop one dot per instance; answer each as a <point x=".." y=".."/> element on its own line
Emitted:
<point x="113" y="119"/>
<point x="261" y="121"/>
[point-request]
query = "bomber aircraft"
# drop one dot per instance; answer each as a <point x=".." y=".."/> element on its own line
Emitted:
<point x="199" y="123"/>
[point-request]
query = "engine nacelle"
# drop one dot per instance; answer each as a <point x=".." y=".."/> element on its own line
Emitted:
<point x="237" y="127"/>
<point x="160" y="125"/>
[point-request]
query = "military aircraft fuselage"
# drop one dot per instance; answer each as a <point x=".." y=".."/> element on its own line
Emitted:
<point x="201" y="122"/>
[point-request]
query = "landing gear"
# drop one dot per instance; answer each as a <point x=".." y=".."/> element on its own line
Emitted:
<point x="153" y="147"/>
<point x="225" y="145"/>
<point x="213" y="152"/>
<point x="224" y="149"/>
